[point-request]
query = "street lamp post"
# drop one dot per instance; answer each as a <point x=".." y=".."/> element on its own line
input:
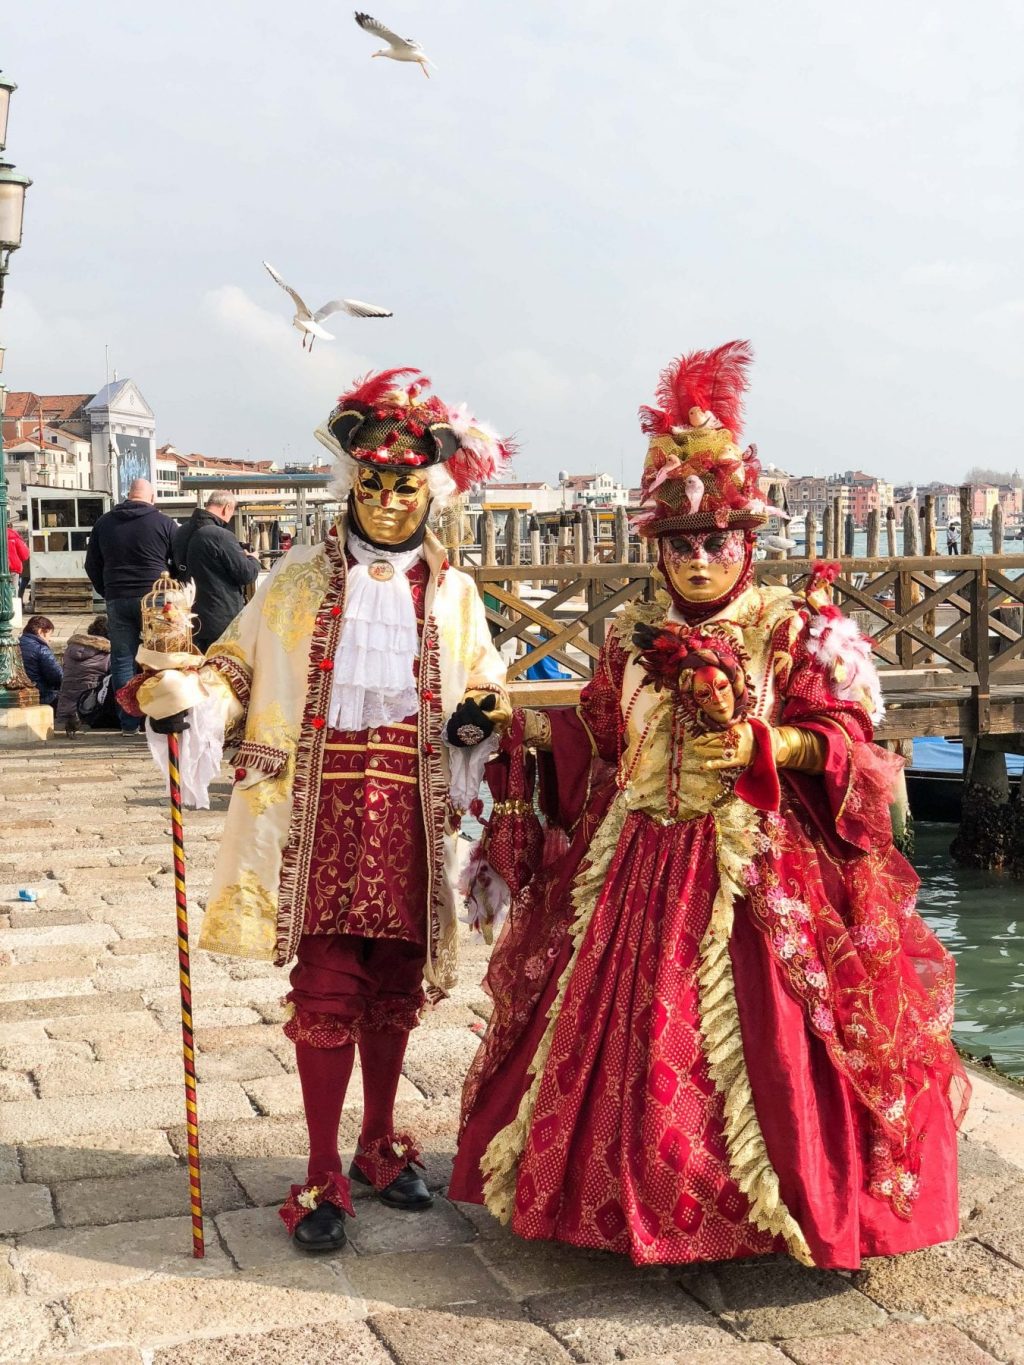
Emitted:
<point x="12" y="210"/>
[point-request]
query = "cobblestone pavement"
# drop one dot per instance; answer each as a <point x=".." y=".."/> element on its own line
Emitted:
<point x="95" y="1258"/>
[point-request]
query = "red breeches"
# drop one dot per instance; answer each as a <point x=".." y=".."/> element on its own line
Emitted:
<point x="344" y="986"/>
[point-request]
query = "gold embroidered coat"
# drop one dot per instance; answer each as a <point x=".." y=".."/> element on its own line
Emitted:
<point x="266" y="672"/>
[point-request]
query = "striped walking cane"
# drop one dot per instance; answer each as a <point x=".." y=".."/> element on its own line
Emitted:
<point x="185" y="978"/>
<point x="167" y="642"/>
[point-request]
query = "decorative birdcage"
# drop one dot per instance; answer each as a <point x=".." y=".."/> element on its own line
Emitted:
<point x="451" y="526"/>
<point x="167" y="616"/>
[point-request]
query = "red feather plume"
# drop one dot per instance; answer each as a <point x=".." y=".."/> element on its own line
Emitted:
<point x="372" y="388"/>
<point x="712" y="380"/>
<point x="480" y="461"/>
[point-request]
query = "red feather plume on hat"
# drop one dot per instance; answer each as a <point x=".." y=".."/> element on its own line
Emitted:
<point x="713" y="381"/>
<point x="373" y="388"/>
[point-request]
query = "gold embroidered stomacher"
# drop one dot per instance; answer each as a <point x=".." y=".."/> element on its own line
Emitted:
<point x="736" y="825"/>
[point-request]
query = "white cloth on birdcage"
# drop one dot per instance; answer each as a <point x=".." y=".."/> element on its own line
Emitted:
<point x="373" y="682"/>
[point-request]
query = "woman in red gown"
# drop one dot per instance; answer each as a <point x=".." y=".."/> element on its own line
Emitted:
<point x="720" y="1028"/>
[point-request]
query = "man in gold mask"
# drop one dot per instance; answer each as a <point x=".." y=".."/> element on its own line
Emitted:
<point x="361" y="694"/>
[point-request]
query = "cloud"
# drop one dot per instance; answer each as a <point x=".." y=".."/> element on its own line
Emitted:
<point x="294" y="388"/>
<point x="965" y="276"/>
<point x="236" y="314"/>
<point x="50" y="352"/>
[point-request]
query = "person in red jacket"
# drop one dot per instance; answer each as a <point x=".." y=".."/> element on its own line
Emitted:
<point x="17" y="557"/>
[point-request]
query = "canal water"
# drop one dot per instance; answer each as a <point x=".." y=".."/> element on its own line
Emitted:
<point x="1012" y="544"/>
<point x="979" y="916"/>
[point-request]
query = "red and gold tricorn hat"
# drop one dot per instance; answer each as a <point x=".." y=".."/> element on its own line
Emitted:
<point x="389" y="421"/>
<point x="696" y="476"/>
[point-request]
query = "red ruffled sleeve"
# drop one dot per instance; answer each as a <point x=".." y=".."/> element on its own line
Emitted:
<point x="858" y="776"/>
<point x="584" y="740"/>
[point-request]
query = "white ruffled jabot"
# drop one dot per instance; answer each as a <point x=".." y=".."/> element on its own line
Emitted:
<point x="374" y="681"/>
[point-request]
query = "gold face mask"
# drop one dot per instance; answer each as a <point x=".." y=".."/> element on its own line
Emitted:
<point x="703" y="566"/>
<point x="390" y="505"/>
<point x="712" y="691"/>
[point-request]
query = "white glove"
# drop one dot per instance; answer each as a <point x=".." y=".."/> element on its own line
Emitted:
<point x="169" y="692"/>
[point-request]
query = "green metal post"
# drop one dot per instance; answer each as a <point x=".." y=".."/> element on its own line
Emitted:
<point x="13" y="683"/>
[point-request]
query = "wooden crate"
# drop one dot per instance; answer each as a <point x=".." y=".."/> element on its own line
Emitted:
<point x="65" y="596"/>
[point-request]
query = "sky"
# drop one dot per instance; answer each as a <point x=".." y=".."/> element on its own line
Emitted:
<point x="579" y="193"/>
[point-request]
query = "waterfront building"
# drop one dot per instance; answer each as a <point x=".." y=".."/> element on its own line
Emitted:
<point x="46" y="457"/>
<point x="985" y="499"/>
<point x="808" y="493"/>
<point x="171" y="464"/>
<point x="595" y="490"/>
<point x="1011" y="500"/>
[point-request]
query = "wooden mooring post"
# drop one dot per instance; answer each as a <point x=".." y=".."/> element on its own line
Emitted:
<point x="966" y="519"/>
<point x="811" y="536"/>
<point x="621" y="536"/>
<point x="873" y="533"/>
<point x="489" y="542"/>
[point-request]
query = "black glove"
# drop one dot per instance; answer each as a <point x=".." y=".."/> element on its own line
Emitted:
<point x="170" y="725"/>
<point x="470" y="724"/>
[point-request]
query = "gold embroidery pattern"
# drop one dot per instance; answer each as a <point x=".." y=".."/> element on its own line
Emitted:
<point x="293" y="599"/>
<point x="241" y="920"/>
<point x="270" y="728"/>
<point x="324" y="589"/>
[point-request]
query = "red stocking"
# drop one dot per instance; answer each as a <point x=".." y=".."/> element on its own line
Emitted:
<point x="324" y="1075"/>
<point x="381" y="1056"/>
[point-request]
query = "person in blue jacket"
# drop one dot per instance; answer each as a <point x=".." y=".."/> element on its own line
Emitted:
<point x="546" y="670"/>
<point x="38" y="659"/>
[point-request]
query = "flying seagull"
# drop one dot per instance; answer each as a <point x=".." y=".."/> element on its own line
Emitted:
<point x="308" y="322"/>
<point x="398" y="49"/>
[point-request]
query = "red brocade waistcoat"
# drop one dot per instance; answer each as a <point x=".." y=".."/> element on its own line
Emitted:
<point x="368" y="873"/>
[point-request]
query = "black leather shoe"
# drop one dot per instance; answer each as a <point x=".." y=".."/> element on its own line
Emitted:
<point x="407" y="1191"/>
<point x="321" y="1230"/>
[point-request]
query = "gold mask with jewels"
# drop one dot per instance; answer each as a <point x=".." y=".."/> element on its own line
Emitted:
<point x="389" y="505"/>
<point x="714" y="696"/>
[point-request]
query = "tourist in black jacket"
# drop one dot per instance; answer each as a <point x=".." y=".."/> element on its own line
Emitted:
<point x="207" y="551"/>
<point x="129" y="548"/>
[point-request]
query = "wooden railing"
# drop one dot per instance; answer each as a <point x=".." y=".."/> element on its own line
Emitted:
<point x="946" y="631"/>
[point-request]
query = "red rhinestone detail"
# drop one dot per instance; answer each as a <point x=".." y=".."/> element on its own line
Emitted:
<point x="239" y="774"/>
<point x="317" y="722"/>
<point x="326" y="665"/>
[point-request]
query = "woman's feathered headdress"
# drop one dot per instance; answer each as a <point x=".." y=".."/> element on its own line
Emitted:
<point x="710" y="382"/>
<point x="696" y="476"/>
